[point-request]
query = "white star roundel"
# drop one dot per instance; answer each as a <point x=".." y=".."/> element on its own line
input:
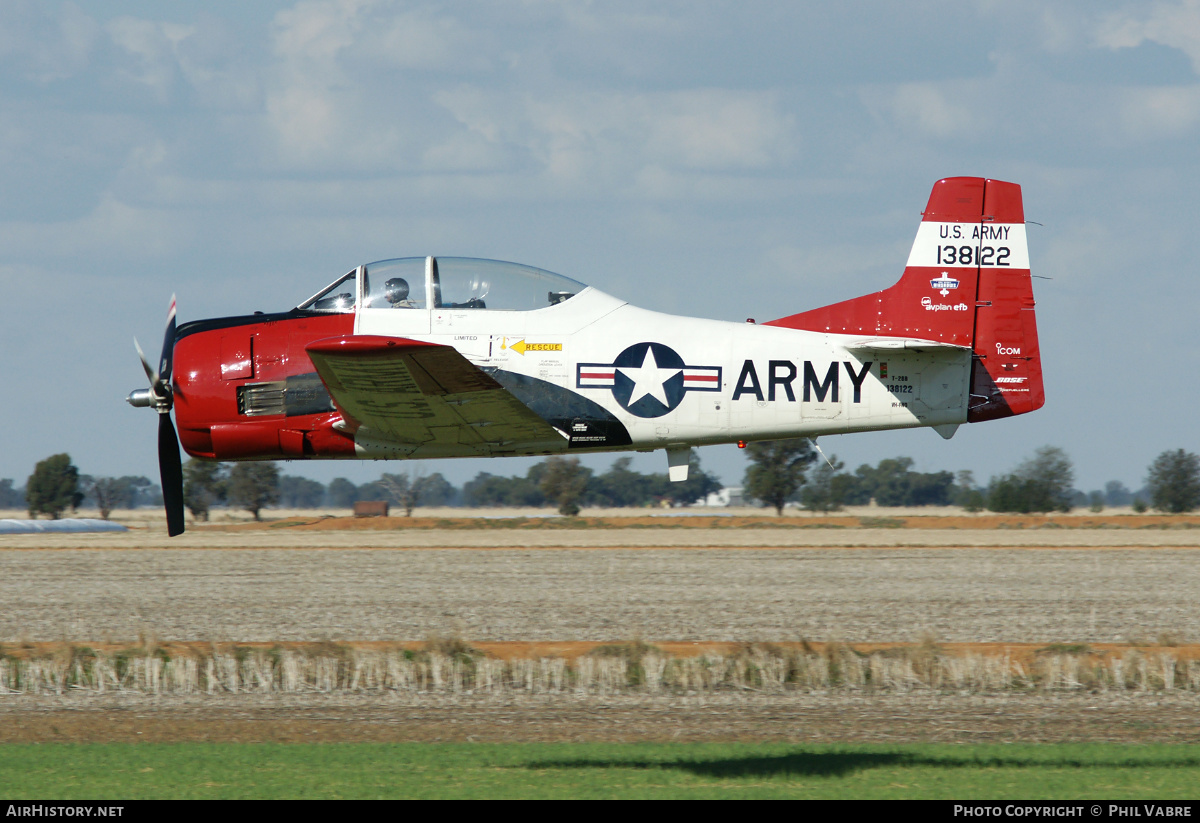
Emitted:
<point x="648" y="379"/>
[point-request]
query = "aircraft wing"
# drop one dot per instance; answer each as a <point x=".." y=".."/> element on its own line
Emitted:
<point x="418" y="394"/>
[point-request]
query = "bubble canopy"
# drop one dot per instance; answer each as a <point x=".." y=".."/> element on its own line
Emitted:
<point x="444" y="283"/>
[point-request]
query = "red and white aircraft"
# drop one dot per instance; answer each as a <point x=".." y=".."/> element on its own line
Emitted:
<point x="425" y="357"/>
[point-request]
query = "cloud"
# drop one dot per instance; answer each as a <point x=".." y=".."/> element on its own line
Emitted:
<point x="202" y="57"/>
<point x="362" y="85"/>
<point x="112" y="229"/>
<point x="1149" y="111"/>
<point x="1176" y="25"/>
<point x="837" y="262"/>
<point x="924" y="108"/>
<point x="419" y="39"/>
<point x="47" y="44"/>
<point x="1164" y="112"/>
<point x="153" y="46"/>
<point x="587" y="137"/>
<point x="338" y="93"/>
<point x="309" y="36"/>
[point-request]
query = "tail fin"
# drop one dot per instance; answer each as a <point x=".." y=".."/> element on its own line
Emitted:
<point x="966" y="284"/>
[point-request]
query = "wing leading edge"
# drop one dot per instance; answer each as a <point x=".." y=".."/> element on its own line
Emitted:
<point x="427" y="397"/>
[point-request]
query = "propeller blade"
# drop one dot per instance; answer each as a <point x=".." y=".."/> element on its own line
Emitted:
<point x="170" y="467"/>
<point x="150" y="375"/>
<point x="168" y="349"/>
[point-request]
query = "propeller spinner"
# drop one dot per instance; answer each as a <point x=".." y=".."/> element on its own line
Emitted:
<point x="160" y="398"/>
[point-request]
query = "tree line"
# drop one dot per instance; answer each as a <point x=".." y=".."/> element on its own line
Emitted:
<point x="778" y="473"/>
<point x="791" y="472"/>
<point x="56" y="486"/>
<point x="561" y="482"/>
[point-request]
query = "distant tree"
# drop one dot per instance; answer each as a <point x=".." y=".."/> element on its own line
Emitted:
<point x="436" y="490"/>
<point x="133" y="491"/>
<point x="1174" y="482"/>
<point x="485" y="490"/>
<point x="490" y="490"/>
<point x="1010" y="493"/>
<point x="253" y="486"/>
<point x="147" y="494"/>
<point x="341" y="493"/>
<point x="204" y="486"/>
<point x="11" y="498"/>
<point x="619" y="486"/>
<point x="893" y="483"/>
<point x="973" y="500"/>
<point x="963" y="481"/>
<point x="53" y="487"/>
<point x="104" y="492"/>
<point x="1043" y="483"/>
<point x="857" y="489"/>
<point x="930" y="489"/>
<point x="403" y="489"/>
<point x="300" y="492"/>
<point x="776" y="470"/>
<point x="698" y="486"/>
<point x="111" y="493"/>
<point x="1116" y="494"/>
<point x="1096" y="501"/>
<point x="822" y="493"/>
<point x="563" y="482"/>
<point x="966" y="494"/>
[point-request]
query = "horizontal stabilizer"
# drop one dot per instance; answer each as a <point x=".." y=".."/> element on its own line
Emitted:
<point x="891" y="344"/>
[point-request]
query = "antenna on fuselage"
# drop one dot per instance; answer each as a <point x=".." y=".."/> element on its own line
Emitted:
<point x="818" y="448"/>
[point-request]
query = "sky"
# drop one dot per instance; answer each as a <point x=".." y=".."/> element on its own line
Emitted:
<point x="715" y="159"/>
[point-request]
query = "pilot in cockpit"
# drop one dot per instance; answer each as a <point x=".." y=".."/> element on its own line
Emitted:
<point x="395" y="291"/>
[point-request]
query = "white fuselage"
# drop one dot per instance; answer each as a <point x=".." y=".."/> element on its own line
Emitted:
<point x="702" y="381"/>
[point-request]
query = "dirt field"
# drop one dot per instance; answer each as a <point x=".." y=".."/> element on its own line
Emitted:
<point x="679" y="584"/>
<point x="283" y="537"/>
<point x="798" y="718"/>
<point x="782" y="594"/>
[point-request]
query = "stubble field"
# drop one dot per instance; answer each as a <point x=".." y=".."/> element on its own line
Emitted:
<point x="861" y="595"/>
<point x="305" y="580"/>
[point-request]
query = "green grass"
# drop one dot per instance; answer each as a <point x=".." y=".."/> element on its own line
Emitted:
<point x="726" y="770"/>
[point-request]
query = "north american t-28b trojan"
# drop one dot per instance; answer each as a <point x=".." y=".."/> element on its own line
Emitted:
<point x="426" y="357"/>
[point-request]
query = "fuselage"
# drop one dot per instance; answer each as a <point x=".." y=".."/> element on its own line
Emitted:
<point x="608" y="375"/>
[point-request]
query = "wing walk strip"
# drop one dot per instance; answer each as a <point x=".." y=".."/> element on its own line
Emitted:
<point x="410" y="394"/>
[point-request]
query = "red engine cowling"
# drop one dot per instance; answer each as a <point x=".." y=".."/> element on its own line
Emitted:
<point x="245" y="388"/>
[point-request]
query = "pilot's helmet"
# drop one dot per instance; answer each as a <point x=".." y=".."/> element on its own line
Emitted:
<point x="396" y="290"/>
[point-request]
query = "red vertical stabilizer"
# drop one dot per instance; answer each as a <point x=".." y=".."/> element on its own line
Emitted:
<point x="966" y="284"/>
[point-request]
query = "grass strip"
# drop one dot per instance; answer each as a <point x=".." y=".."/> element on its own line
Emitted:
<point x="598" y="770"/>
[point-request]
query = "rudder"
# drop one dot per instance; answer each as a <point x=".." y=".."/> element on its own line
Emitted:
<point x="1006" y="370"/>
